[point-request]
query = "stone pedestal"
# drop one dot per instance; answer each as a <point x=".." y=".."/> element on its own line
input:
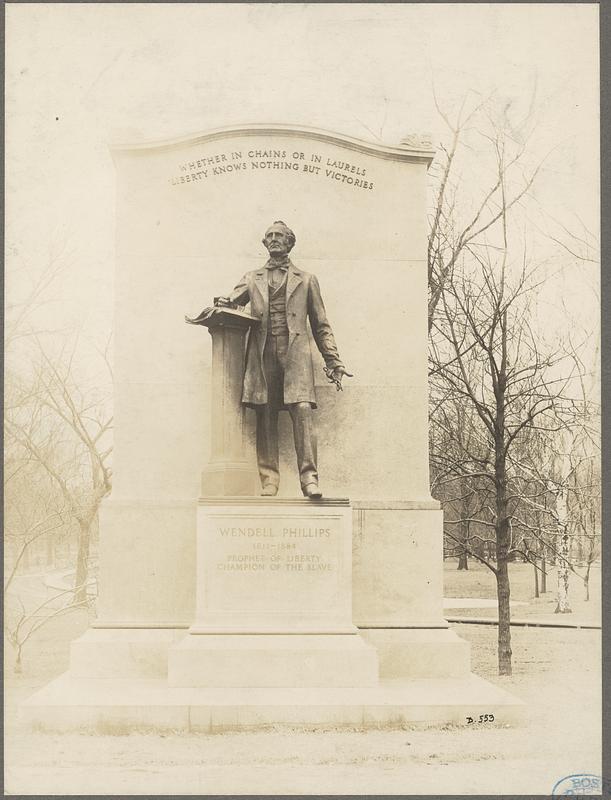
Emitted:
<point x="278" y="566"/>
<point x="273" y="661"/>
<point x="274" y="598"/>
<point x="398" y="590"/>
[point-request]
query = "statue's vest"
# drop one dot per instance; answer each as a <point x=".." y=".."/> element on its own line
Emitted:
<point x="277" y="309"/>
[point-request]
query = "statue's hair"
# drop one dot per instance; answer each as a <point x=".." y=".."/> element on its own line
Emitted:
<point x="289" y="232"/>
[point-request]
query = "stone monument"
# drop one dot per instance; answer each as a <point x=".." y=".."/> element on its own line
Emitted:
<point x="219" y="606"/>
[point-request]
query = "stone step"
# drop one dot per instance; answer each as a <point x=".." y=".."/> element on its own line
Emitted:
<point x="120" y="706"/>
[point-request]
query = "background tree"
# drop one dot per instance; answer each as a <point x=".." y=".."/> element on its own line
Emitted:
<point x="63" y="428"/>
<point x="485" y="354"/>
<point x="457" y="477"/>
<point x="58" y="443"/>
<point x="498" y="388"/>
<point x="464" y="213"/>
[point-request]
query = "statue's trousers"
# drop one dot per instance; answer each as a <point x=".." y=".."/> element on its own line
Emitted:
<point x="274" y="360"/>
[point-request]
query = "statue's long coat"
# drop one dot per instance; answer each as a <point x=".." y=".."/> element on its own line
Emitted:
<point x="303" y="303"/>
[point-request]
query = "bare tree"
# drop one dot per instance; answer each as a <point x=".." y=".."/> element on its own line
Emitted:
<point x="65" y="429"/>
<point x="485" y="354"/>
<point x="22" y="534"/>
<point x="455" y="457"/>
<point x="21" y="624"/>
<point x="586" y="515"/>
<point x="57" y="427"/>
<point x="561" y="492"/>
<point x="459" y="222"/>
<point x="497" y="389"/>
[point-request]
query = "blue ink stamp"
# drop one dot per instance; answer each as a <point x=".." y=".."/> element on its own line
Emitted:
<point x="581" y="783"/>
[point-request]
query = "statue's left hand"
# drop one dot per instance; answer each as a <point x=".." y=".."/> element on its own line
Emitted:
<point x="336" y="375"/>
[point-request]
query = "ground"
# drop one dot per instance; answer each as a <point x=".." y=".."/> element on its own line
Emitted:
<point x="479" y="582"/>
<point x="556" y="672"/>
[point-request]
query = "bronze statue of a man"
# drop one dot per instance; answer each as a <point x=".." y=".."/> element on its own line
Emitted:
<point x="279" y="372"/>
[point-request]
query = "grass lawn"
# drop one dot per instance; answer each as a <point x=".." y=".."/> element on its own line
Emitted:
<point x="479" y="582"/>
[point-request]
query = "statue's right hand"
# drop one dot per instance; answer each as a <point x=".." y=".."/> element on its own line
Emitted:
<point x="222" y="302"/>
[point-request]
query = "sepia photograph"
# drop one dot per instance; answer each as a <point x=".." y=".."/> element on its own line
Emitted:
<point x="302" y="411"/>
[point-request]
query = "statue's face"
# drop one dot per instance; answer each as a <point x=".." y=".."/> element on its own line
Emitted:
<point x="277" y="241"/>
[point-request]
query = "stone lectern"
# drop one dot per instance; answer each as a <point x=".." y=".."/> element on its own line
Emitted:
<point x="219" y="611"/>
<point x="230" y="472"/>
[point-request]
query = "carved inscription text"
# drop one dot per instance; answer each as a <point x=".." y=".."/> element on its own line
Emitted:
<point x="316" y="165"/>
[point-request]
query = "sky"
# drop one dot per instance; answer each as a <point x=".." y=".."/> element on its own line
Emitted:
<point x="79" y="76"/>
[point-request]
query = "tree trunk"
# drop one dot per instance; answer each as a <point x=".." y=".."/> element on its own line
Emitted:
<point x="586" y="581"/>
<point x="18" y="668"/>
<point x="563" y="554"/>
<point x="543" y="574"/>
<point x="82" y="563"/>
<point x="464" y="535"/>
<point x="536" y="577"/>
<point x="563" y="605"/>
<point x="503" y="594"/>
<point x="502" y="527"/>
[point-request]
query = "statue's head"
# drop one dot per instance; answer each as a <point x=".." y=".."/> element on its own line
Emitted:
<point x="279" y="239"/>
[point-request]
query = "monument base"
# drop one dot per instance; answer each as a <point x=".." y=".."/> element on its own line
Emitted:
<point x="123" y="652"/>
<point x="419" y="653"/>
<point x="273" y="641"/>
<point x="109" y="652"/>
<point x="121" y="706"/>
<point x="274" y="660"/>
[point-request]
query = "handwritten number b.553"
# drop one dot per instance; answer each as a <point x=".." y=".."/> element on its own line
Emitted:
<point x="481" y="718"/>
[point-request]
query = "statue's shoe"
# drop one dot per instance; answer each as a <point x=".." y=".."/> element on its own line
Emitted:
<point x="269" y="490"/>
<point x="312" y="491"/>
